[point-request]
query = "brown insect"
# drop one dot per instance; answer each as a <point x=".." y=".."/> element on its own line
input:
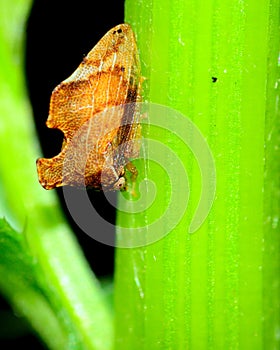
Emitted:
<point x="96" y="109"/>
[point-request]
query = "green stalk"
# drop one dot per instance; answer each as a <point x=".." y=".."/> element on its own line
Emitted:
<point x="219" y="287"/>
<point x="59" y="295"/>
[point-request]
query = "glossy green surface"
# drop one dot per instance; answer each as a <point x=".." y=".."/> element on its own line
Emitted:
<point x="219" y="287"/>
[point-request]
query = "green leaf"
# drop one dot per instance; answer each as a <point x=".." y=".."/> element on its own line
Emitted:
<point x="15" y="255"/>
<point x="19" y="283"/>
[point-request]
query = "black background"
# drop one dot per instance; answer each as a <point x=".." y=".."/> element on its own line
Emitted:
<point x="59" y="33"/>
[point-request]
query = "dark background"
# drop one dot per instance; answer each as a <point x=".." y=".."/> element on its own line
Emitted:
<point x="59" y="34"/>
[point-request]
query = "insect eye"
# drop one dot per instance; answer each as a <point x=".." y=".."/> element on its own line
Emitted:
<point x="120" y="184"/>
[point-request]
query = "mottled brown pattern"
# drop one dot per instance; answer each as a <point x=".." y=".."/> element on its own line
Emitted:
<point x="83" y="107"/>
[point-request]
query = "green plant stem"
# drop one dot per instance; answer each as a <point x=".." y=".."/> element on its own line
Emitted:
<point x="68" y="292"/>
<point x="218" y="288"/>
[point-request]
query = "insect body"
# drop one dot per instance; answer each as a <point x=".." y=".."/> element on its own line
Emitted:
<point x="96" y="109"/>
